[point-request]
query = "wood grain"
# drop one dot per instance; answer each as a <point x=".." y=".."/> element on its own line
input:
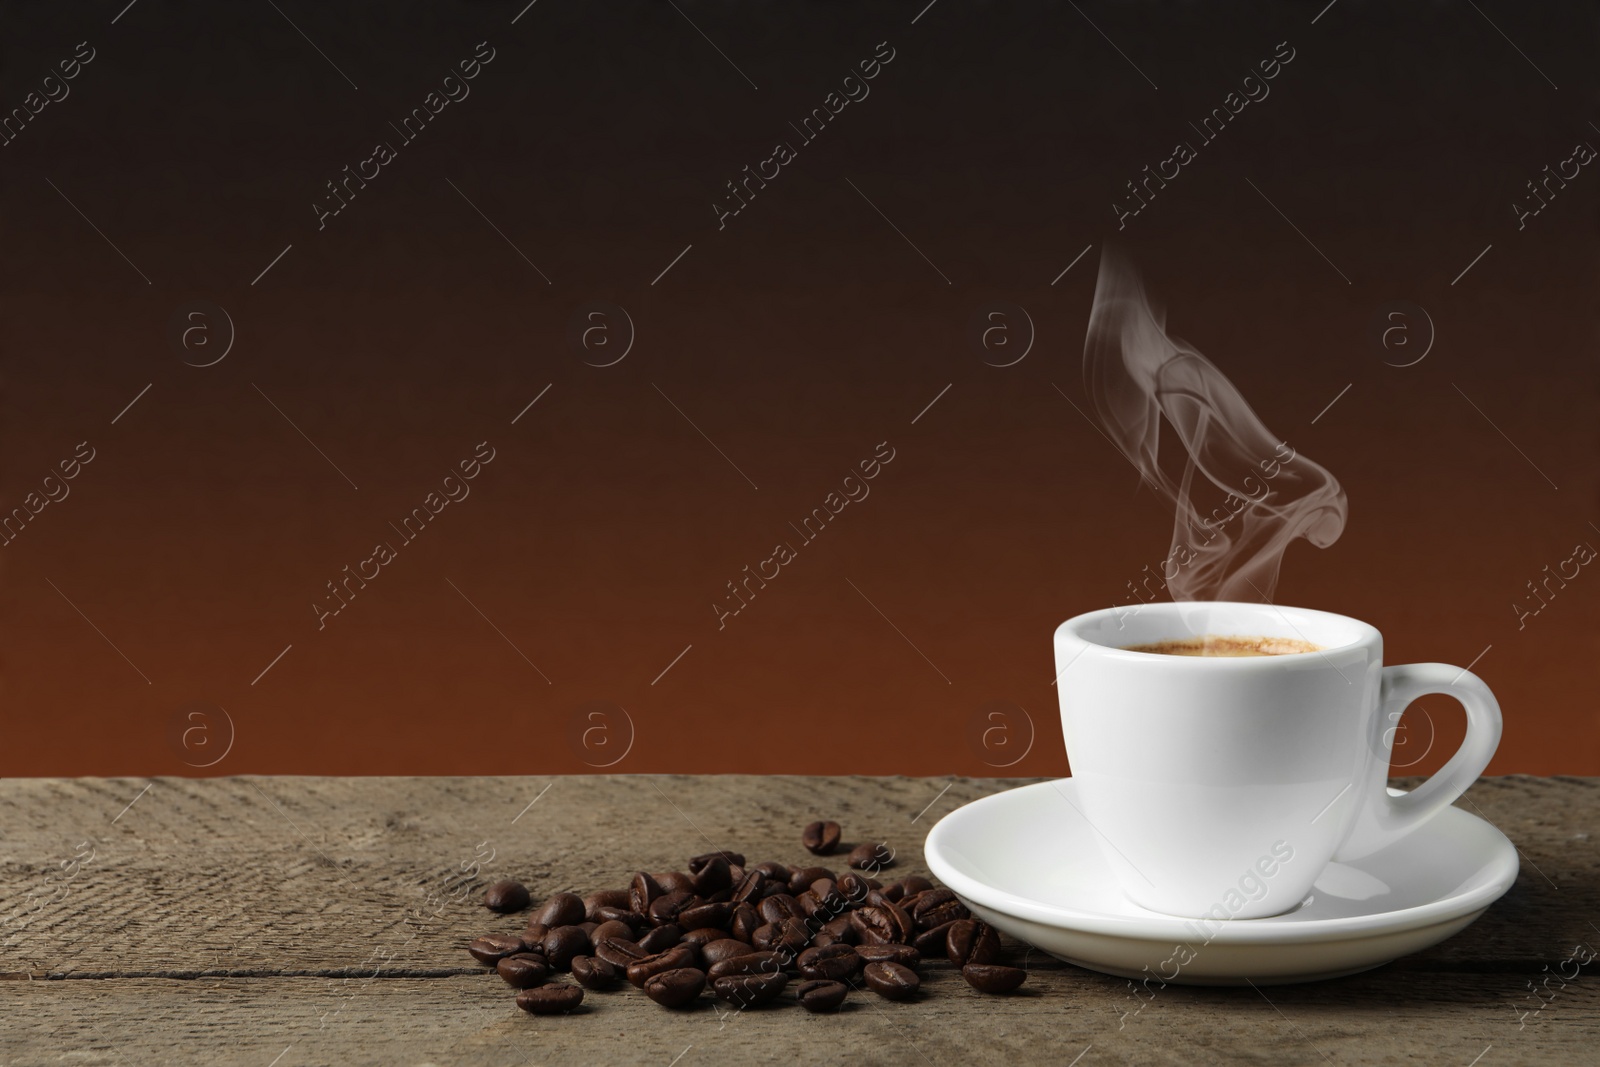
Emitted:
<point x="235" y="920"/>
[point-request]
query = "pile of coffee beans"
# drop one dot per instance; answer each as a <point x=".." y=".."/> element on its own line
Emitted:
<point x="743" y="932"/>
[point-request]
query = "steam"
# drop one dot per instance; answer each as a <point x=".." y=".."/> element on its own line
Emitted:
<point x="1256" y="493"/>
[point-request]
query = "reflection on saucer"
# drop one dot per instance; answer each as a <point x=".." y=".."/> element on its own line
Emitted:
<point x="1352" y="883"/>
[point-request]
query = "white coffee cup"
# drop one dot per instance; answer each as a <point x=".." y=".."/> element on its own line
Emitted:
<point x="1220" y="788"/>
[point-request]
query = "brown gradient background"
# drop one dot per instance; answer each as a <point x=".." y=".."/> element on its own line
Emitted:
<point x="797" y="338"/>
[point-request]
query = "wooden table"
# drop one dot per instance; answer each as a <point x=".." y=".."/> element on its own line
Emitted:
<point x="287" y="921"/>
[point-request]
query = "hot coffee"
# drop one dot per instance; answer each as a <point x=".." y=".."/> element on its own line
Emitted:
<point x="1231" y="645"/>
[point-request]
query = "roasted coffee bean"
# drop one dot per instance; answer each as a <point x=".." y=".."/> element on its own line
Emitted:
<point x="775" y="872"/>
<point x="702" y="936"/>
<point x="803" y="930"/>
<point x="733" y="859"/>
<point x="837" y="962"/>
<point x="607" y="914"/>
<point x="749" y="963"/>
<point x="872" y="925"/>
<point x="534" y="934"/>
<point x="821" y="838"/>
<point x="612" y="928"/>
<point x="604" y="898"/>
<point x="783" y="906"/>
<point x="935" y="942"/>
<point x="716" y="915"/>
<point x="563" y="943"/>
<point x="675" y="881"/>
<point x="993" y="978"/>
<point x="523" y="970"/>
<point x="853" y="888"/>
<point x="661" y="938"/>
<point x="893" y="891"/>
<point x="892" y="981"/>
<point x="592" y="972"/>
<point x="810" y="904"/>
<point x="841" y="930"/>
<point x="800" y="878"/>
<point x="676" y="988"/>
<point x="550" y="999"/>
<point x="881" y="924"/>
<point x="789" y="935"/>
<point x="898" y="911"/>
<point x="750" y="990"/>
<point x="712" y="876"/>
<point x="902" y="954"/>
<point x="588" y="927"/>
<point x="619" y="951"/>
<point x="492" y="948"/>
<point x="972" y="941"/>
<point x="675" y="957"/>
<point x="665" y="908"/>
<point x="821" y="995"/>
<point x="826" y="890"/>
<point x="696" y="958"/>
<point x="506" y="896"/>
<point x="937" y="907"/>
<point x="716" y="951"/>
<point x="563" y="909"/>
<point x="752" y="888"/>
<point x="915" y="883"/>
<point x="642" y="891"/>
<point x="902" y="920"/>
<point x="746" y="919"/>
<point x="871" y="857"/>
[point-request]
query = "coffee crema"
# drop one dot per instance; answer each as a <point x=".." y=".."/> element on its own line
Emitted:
<point x="1226" y="645"/>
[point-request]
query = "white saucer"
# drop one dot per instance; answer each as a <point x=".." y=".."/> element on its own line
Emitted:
<point x="1027" y="862"/>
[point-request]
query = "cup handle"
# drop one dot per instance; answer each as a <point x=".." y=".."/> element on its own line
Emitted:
<point x="1388" y="818"/>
